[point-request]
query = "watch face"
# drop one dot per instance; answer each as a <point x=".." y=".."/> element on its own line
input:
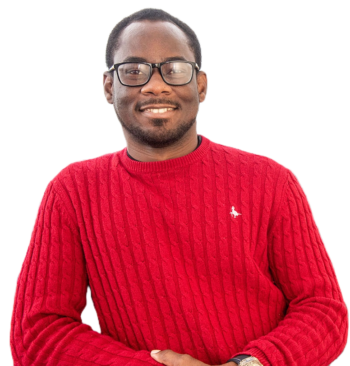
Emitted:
<point x="250" y="361"/>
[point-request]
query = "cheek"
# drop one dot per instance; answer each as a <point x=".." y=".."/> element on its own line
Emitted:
<point x="191" y="99"/>
<point x="192" y="93"/>
<point x="123" y="101"/>
<point x="188" y="97"/>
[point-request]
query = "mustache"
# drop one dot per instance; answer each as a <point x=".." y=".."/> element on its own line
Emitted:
<point x="156" y="101"/>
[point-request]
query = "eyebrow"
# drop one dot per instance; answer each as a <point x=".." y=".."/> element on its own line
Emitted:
<point x="141" y="59"/>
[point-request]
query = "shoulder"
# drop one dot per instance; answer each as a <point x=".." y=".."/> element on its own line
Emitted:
<point x="72" y="185"/>
<point x="250" y="163"/>
<point x="84" y="169"/>
<point x="73" y="181"/>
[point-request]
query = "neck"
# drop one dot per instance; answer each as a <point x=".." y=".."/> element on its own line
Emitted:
<point x="144" y="153"/>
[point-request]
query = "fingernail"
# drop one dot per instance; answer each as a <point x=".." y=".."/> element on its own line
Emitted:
<point x="155" y="351"/>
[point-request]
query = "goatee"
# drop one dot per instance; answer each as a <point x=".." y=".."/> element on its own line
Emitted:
<point x="163" y="137"/>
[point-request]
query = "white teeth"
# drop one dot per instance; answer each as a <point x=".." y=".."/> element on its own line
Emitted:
<point x="159" y="110"/>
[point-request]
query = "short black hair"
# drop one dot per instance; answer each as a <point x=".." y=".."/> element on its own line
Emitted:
<point x="151" y="15"/>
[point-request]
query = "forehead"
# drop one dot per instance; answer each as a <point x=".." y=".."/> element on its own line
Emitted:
<point x="153" y="41"/>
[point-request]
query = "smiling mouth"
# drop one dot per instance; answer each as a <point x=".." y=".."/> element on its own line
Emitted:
<point x="158" y="110"/>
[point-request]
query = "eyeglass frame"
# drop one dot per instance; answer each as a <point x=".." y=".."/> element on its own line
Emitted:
<point x="157" y="66"/>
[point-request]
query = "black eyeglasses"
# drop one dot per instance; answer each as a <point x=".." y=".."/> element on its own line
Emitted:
<point x="139" y="73"/>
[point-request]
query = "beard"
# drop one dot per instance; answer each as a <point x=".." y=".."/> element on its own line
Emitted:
<point x="160" y="138"/>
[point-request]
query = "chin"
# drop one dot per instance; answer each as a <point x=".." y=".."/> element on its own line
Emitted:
<point x="158" y="122"/>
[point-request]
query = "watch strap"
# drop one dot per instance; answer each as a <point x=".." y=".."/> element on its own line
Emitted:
<point x="238" y="358"/>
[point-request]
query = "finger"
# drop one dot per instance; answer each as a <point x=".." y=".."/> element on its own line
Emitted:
<point x="171" y="358"/>
<point x="167" y="357"/>
<point x="154" y="354"/>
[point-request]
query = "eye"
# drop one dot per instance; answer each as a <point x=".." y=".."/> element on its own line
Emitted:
<point x="176" y="70"/>
<point x="133" y="69"/>
<point x="134" y="72"/>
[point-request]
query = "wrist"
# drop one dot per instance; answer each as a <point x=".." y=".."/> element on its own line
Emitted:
<point x="237" y="359"/>
<point x="243" y="360"/>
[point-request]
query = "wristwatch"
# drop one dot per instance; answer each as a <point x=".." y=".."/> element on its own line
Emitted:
<point x="246" y="360"/>
<point x="250" y="361"/>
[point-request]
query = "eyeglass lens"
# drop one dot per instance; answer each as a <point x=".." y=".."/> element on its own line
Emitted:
<point x="175" y="73"/>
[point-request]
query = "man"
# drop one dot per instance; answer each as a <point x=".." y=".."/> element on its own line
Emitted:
<point x="202" y="252"/>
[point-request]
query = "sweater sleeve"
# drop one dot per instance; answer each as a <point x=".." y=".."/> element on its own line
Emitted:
<point x="46" y="326"/>
<point x="314" y="329"/>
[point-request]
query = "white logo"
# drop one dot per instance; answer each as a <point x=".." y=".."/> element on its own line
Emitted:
<point x="234" y="213"/>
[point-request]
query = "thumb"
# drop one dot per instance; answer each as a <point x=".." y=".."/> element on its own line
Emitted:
<point x="154" y="354"/>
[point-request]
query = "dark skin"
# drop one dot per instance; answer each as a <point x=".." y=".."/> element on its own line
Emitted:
<point x="156" y="137"/>
<point x="156" y="42"/>
<point x="171" y="358"/>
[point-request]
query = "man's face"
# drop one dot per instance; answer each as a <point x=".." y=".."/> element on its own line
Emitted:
<point x="155" y="42"/>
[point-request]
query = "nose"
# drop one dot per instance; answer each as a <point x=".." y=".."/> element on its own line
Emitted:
<point x="156" y="85"/>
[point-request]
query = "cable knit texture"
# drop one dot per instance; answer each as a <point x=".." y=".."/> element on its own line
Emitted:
<point x="170" y="266"/>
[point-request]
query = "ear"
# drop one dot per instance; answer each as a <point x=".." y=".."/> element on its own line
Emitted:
<point x="108" y="86"/>
<point x="202" y="85"/>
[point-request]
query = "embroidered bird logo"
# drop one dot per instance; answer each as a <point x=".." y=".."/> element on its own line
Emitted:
<point x="234" y="213"/>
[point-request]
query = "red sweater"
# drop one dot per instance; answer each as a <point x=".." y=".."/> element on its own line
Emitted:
<point x="212" y="254"/>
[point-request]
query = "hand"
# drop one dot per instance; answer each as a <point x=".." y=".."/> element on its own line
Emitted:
<point x="171" y="358"/>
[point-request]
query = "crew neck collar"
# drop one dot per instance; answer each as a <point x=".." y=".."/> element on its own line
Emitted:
<point x="165" y="165"/>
